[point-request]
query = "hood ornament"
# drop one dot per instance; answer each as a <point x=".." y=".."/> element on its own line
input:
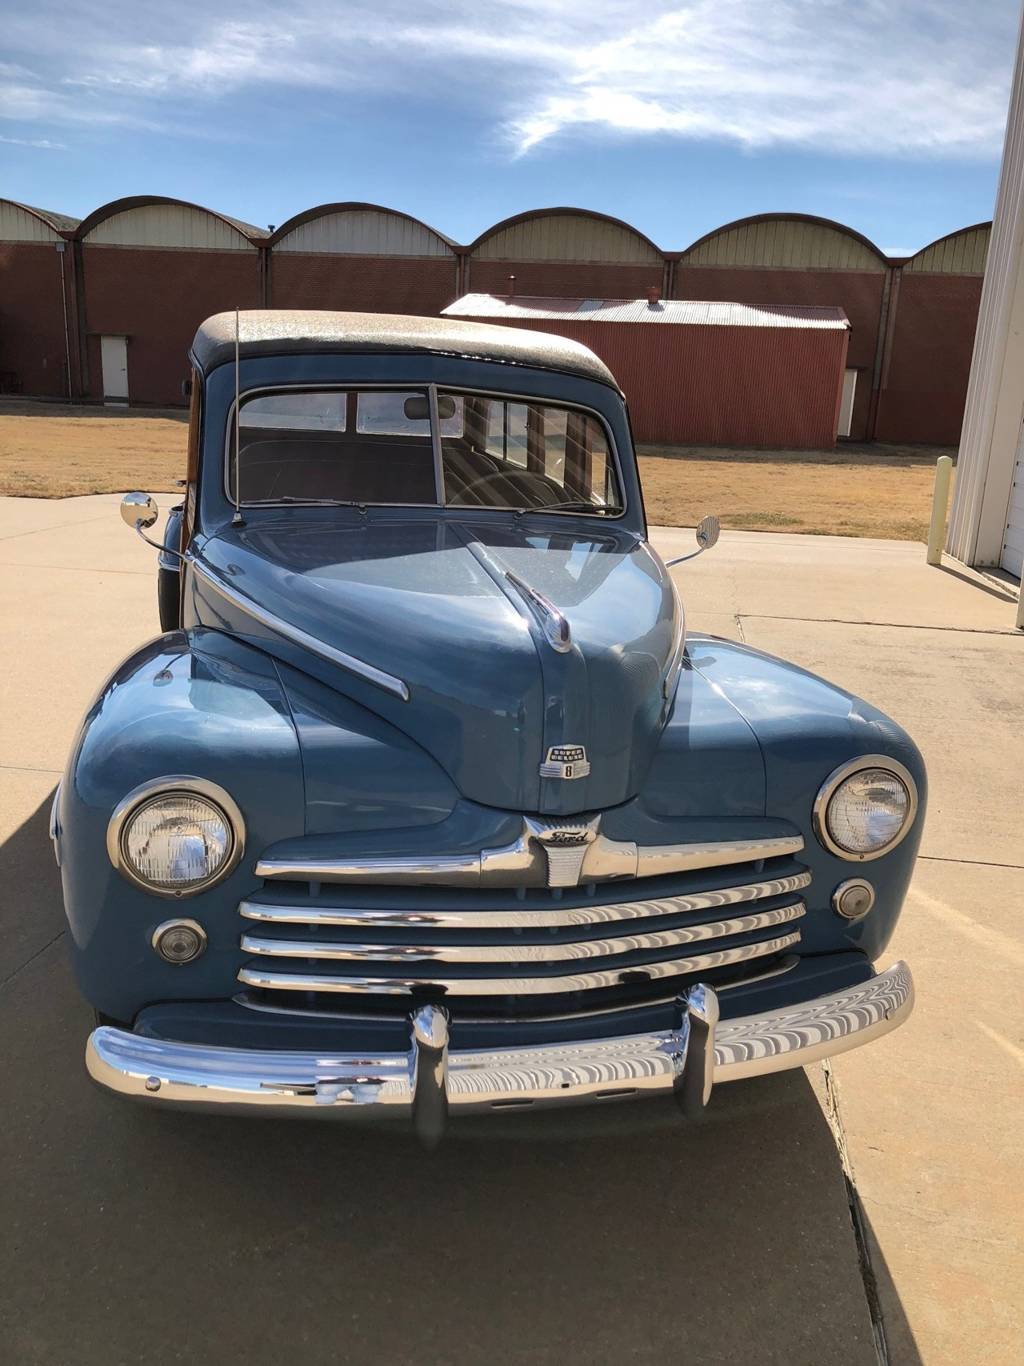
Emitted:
<point x="553" y="622"/>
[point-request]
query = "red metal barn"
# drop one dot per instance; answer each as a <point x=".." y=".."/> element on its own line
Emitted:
<point x="703" y="374"/>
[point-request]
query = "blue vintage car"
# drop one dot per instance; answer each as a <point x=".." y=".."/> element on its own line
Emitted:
<point x="425" y="801"/>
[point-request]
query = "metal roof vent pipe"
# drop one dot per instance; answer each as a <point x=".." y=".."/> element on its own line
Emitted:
<point x="653" y="296"/>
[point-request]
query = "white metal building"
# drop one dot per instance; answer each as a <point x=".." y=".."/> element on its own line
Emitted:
<point x="986" y="526"/>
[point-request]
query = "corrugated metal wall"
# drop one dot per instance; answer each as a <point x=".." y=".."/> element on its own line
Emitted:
<point x="566" y="237"/>
<point x="962" y="253"/>
<point x="168" y="226"/>
<point x="364" y="232"/>
<point x="765" y="388"/>
<point x="784" y="244"/>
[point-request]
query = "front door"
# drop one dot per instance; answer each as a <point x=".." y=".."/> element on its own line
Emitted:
<point x="114" y="359"/>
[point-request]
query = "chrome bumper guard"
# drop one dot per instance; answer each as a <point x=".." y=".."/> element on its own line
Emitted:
<point x="428" y="1080"/>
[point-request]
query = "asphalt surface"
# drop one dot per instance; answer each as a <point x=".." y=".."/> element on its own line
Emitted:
<point x="785" y="1227"/>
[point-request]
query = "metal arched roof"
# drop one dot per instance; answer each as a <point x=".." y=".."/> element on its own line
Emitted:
<point x="756" y="218"/>
<point x="354" y="206"/>
<point x="944" y="250"/>
<point x="563" y="211"/>
<point x="141" y="201"/>
<point x="57" y="222"/>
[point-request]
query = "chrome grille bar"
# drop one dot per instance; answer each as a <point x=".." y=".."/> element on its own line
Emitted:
<point x="546" y="918"/>
<point x="512" y="986"/>
<point x="522" y="863"/>
<point x="522" y="953"/>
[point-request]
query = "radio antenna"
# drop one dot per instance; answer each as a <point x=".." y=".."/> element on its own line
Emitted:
<point x="237" y="519"/>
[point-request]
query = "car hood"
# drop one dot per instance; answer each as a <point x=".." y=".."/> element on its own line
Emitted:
<point x="428" y="603"/>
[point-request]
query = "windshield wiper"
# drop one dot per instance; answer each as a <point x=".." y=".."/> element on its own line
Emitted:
<point x="321" y="502"/>
<point x="571" y="505"/>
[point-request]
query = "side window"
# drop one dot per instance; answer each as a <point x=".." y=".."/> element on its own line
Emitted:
<point x="506" y="432"/>
<point x="312" y="412"/>
<point x="516" y="454"/>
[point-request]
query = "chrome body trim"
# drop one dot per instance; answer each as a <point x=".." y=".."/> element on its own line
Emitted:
<point x="836" y="778"/>
<point x="165" y="787"/>
<point x="55" y="823"/>
<point x="518" y="865"/>
<point x="554" y="623"/>
<point x="811" y="1030"/>
<point x="589" y="1070"/>
<point x="368" y="917"/>
<point x="388" y="682"/>
<point x="519" y="952"/>
<point x="776" y="969"/>
<point x="451" y="987"/>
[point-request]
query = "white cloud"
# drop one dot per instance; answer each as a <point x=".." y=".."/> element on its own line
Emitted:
<point x="859" y="77"/>
<point x="44" y="144"/>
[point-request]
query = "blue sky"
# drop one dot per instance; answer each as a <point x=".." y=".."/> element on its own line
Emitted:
<point x="884" y="114"/>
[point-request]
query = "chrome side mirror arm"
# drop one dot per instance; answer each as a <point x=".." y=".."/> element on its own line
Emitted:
<point x="707" y="533"/>
<point x="140" y="511"/>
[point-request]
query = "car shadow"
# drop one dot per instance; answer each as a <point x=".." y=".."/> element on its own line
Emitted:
<point x="606" y="1236"/>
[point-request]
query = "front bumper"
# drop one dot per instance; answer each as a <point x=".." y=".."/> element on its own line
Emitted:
<point x="428" y="1080"/>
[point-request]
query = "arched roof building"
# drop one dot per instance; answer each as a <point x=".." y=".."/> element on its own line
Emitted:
<point x="35" y="280"/>
<point x="564" y="251"/>
<point x="363" y="257"/>
<point x="777" y="258"/>
<point x="936" y="295"/>
<point x="151" y="268"/>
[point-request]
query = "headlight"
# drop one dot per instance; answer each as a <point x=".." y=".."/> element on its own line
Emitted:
<point x="865" y="808"/>
<point x="176" y="836"/>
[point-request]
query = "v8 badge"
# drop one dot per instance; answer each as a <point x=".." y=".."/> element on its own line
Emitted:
<point x="565" y="761"/>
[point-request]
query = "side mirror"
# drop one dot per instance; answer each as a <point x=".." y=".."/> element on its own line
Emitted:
<point x="139" y="510"/>
<point x="708" y="531"/>
<point x="707" y="535"/>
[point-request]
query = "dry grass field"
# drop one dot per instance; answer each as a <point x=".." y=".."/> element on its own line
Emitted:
<point x="53" y="451"/>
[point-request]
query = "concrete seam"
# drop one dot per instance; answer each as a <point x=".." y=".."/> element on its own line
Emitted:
<point x="891" y="625"/>
<point x="867" y="1272"/>
<point x="75" y="568"/>
<point x="30" y="768"/>
<point x="31" y="959"/>
<point x="739" y="628"/>
<point x="974" y="862"/>
<point x="57" y="526"/>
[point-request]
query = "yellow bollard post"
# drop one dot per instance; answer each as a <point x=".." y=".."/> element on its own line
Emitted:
<point x="940" y="500"/>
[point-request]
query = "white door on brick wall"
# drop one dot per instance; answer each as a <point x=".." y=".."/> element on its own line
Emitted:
<point x="1012" y="557"/>
<point x="114" y="359"/>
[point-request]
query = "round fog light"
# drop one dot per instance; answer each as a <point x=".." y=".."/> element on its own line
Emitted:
<point x="853" y="899"/>
<point x="179" y="941"/>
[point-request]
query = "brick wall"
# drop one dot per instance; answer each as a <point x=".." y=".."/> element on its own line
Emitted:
<point x="158" y="298"/>
<point x="373" y="284"/>
<point x="32" y="316"/>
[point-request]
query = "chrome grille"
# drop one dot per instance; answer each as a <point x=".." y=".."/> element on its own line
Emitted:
<point x="508" y="951"/>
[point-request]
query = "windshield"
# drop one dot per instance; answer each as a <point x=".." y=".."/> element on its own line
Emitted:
<point x="412" y="447"/>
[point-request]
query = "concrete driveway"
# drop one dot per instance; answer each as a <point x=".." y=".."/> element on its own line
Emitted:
<point x="861" y="1212"/>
